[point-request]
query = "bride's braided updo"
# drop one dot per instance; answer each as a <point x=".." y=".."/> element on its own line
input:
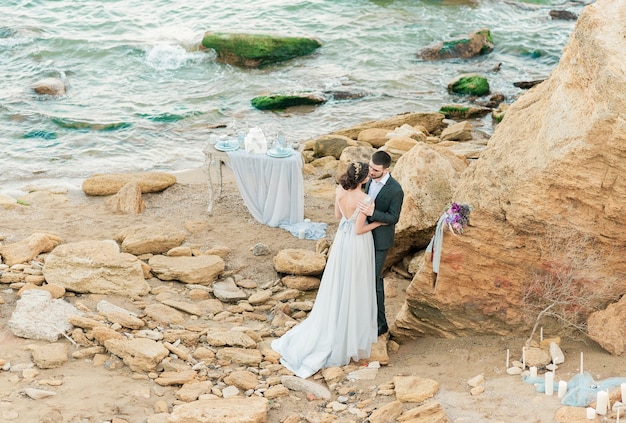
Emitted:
<point x="355" y="175"/>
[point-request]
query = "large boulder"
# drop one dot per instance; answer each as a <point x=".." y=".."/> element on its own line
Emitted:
<point x="474" y="44"/>
<point x="256" y="50"/>
<point x="111" y="183"/>
<point x="96" y="267"/>
<point x="428" y="175"/>
<point x="555" y="166"/>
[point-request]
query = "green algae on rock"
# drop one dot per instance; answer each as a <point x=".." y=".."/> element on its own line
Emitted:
<point x="282" y="101"/>
<point x="469" y="83"/>
<point x="257" y="50"/>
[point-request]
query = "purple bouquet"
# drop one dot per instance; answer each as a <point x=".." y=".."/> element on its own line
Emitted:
<point x="457" y="217"/>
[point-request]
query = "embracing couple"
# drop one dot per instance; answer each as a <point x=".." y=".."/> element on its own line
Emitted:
<point x="349" y="310"/>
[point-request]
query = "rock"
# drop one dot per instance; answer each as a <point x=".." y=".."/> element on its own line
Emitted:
<point x="276" y="391"/>
<point x="519" y="183"/>
<point x="299" y="262"/>
<point x="37" y="316"/>
<point x="127" y="200"/>
<point x="297" y="384"/>
<point x="387" y="413"/>
<point x="229" y="338"/>
<point x="227" y="291"/>
<point x="282" y="101"/>
<point x="431" y="412"/>
<point x="191" y="391"/>
<point x="469" y="84"/>
<point x="231" y="410"/>
<point x="608" y="327"/>
<point x="164" y="314"/>
<point x="49" y="86"/>
<point x="376" y="137"/>
<point x="200" y="270"/>
<point x="301" y="283"/>
<point x="197" y="308"/>
<point x="428" y="175"/>
<point x="476" y="381"/>
<point x="242" y="379"/>
<point x="170" y="378"/>
<point x="96" y="267"/>
<point x="430" y="121"/>
<point x="563" y="14"/>
<point x="49" y="356"/>
<point x="332" y="145"/>
<point x="461" y="131"/>
<point x="38" y="394"/>
<point x="140" y="354"/>
<point x="474" y="44"/>
<point x="257" y="50"/>
<point x="29" y="248"/>
<point x="260" y="249"/>
<point x="153" y="239"/>
<point x="414" y="388"/>
<point x="111" y="183"/>
<point x="248" y="357"/>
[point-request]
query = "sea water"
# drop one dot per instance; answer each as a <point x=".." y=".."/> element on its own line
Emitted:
<point x="142" y="96"/>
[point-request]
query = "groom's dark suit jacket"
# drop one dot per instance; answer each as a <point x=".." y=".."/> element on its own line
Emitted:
<point x="387" y="208"/>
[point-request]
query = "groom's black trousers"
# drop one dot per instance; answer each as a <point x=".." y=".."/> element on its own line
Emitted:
<point x="379" y="259"/>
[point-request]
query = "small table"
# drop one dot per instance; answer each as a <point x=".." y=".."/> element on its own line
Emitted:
<point x="272" y="188"/>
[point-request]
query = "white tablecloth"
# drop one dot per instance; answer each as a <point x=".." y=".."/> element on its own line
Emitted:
<point x="271" y="188"/>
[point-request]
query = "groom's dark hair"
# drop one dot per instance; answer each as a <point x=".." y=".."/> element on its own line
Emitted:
<point x="381" y="158"/>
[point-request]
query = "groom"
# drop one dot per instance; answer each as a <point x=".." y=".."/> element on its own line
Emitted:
<point x="388" y="197"/>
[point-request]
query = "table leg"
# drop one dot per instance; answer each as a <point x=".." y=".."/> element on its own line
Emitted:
<point x="209" y="160"/>
<point x="212" y="196"/>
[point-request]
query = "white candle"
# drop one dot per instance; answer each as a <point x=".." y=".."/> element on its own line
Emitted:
<point x="581" y="362"/>
<point x="591" y="413"/>
<point x="623" y="386"/>
<point x="533" y="371"/>
<point x="602" y="401"/>
<point x="562" y="388"/>
<point x="541" y="334"/>
<point x="301" y="233"/>
<point x="507" y="362"/>
<point x="523" y="357"/>
<point x="549" y="381"/>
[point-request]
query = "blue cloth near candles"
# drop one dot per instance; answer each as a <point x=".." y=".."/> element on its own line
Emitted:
<point x="582" y="390"/>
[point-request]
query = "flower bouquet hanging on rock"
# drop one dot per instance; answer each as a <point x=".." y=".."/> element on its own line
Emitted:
<point x="455" y="218"/>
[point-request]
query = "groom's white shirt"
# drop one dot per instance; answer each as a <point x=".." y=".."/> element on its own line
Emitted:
<point x="376" y="186"/>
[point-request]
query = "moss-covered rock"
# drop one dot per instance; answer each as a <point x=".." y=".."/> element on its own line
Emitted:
<point x="256" y="50"/>
<point x="474" y="44"/>
<point x="470" y="84"/>
<point x="282" y="101"/>
<point x="459" y="111"/>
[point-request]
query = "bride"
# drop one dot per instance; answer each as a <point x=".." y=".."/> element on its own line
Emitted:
<point x="342" y="324"/>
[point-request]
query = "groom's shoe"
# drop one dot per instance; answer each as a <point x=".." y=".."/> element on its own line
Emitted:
<point x="383" y="330"/>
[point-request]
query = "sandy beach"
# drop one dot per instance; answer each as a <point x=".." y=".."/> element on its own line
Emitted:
<point x="94" y="391"/>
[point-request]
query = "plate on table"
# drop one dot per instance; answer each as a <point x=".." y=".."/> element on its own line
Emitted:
<point x="280" y="152"/>
<point x="226" y="146"/>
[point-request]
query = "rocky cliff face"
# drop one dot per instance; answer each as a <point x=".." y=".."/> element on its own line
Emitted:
<point x="555" y="167"/>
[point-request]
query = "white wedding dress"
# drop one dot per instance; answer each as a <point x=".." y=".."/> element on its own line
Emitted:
<point x="342" y="324"/>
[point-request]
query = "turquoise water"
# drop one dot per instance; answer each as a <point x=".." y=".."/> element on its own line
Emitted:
<point x="141" y="96"/>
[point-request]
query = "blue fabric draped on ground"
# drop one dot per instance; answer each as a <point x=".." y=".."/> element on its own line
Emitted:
<point x="312" y="230"/>
<point x="582" y="390"/>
